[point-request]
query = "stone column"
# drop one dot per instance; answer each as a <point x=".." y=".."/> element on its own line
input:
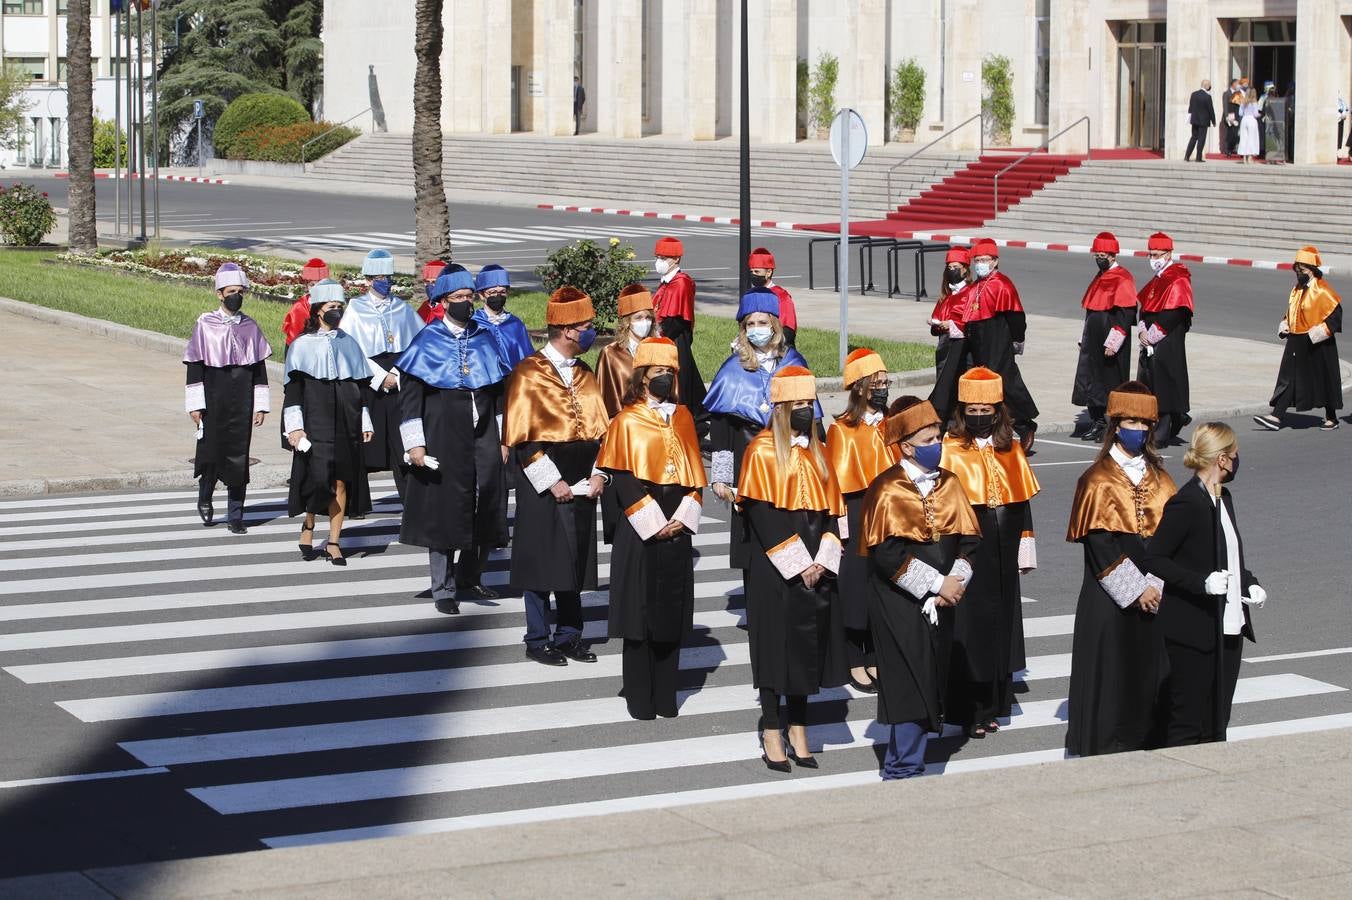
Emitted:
<point x="462" y="66"/>
<point x="624" y="57"/>
<point x="869" y="23"/>
<point x="774" y="72"/>
<point x="553" y="64"/>
<point x="1320" y="36"/>
<point x="497" y="68"/>
<point x="701" y="70"/>
<point x="963" y="52"/>
<point x="1072" y="82"/>
<point x="1189" y="61"/>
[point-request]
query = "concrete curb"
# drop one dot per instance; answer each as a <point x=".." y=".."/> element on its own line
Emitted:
<point x="191" y="179"/>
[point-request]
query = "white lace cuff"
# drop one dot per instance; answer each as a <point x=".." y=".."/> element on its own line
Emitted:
<point x="828" y="553"/>
<point x="542" y="474"/>
<point x="412" y="434"/>
<point x="1124" y="583"/>
<point x="1154" y="334"/>
<point x="1155" y="582"/>
<point x="918" y="579"/>
<point x="962" y="570"/>
<point x="721" y="467"/>
<point x="688" y="513"/>
<point x="843" y="527"/>
<point x="1115" y="339"/>
<point x="646" y="517"/>
<point x="790" y="557"/>
<point x="194" y="397"/>
<point x="293" y="419"/>
<point x="1319" y="333"/>
<point x="262" y="398"/>
<point x="1027" y="552"/>
<point x="366" y="424"/>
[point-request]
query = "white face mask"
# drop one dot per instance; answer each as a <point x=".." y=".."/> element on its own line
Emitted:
<point x="663" y="266"/>
<point x="1159" y="264"/>
<point x="759" y="335"/>
<point x="981" y="269"/>
<point x="640" y="328"/>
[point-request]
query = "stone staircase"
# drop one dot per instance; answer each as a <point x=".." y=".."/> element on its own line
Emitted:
<point x="1268" y="209"/>
<point x="968" y="198"/>
<point x="796" y="181"/>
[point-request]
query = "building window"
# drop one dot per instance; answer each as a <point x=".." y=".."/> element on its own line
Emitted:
<point x="1042" y="47"/>
<point x="23" y="7"/>
<point x="35" y="66"/>
<point x="645" y="60"/>
<point x="62" y="7"/>
<point x="579" y="43"/>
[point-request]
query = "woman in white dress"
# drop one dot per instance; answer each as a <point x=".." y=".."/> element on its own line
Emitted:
<point x="1248" y="127"/>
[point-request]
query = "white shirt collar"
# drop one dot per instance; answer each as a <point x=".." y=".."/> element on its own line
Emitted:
<point x="665" y="408"/>
<point x="1133" y="466"/>
<point x="924" y="481"/>
<point x="766" y="360"/>
<point x="983" y="442"/>
<point x="495" y="318"/>
<point x="671" y="273"/>
<point x="873" y="417"/>
<point x="456" y="330"/>
<point x="633" y="345"/>
<point x="226" y="316"/>
<point x="558" y="359"/>
<point x="800" y="440"/>
<point x="378" y="301"/>
<point x="330" y="334"/>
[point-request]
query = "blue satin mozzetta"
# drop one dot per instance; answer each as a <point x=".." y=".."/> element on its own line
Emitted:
<point x="441" y="360"/>
<point x="328" y="356"/>
<point x="737" y="392"/>
<point x="511" y="335"/>
<point x="387" y="328"/>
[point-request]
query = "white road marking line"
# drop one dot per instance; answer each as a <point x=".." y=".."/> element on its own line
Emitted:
<point x="193" y="536"/>
<point x="1048" y="626"/>
<point x="1308" y="654"/>
<point x="1092" y="448"/>
<point x="384" y="484"/>
<point x="71" y="779"/>
<point x="274" y="507"/>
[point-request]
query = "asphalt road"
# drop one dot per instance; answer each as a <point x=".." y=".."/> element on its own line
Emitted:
<point x="1231" y="301"/>
<point x="233" y="697"/>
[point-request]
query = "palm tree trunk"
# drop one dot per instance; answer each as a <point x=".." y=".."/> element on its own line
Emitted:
<point x="431" y="215"/>
<point x="84" y="233"/>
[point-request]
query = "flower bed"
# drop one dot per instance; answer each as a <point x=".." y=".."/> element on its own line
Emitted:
<point x="270" y="278"/>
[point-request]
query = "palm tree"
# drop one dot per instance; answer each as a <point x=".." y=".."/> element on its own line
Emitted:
<point x="431" y="215"/>
<point x="84" y="233"/>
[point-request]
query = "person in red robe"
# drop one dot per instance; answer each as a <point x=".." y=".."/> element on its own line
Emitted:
<point x="674" y="303"/>
<point x="1166" y="316"/>
<point x="1105" y="344"/>
<point x="430" y="273"/>
<point x="996" y="328"/>
<point x="946" y="324"/>
<point x="293" y="324"/>
<point x="761" y="262"/>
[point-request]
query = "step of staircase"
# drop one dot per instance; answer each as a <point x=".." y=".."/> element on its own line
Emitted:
<point x="967" y="198"/>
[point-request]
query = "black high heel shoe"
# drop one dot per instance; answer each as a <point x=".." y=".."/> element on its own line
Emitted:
<point x="803" y="762"/>
<point x="338" y="560"/>
<point x="869" y="687"/>
<point x="307" y="551"/>
<point x="783" y="767"/>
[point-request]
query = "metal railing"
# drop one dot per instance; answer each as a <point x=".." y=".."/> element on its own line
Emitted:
<point x="1088" y="141"/>
<point x="305" y="146"/>
<point x="981" y="132"/>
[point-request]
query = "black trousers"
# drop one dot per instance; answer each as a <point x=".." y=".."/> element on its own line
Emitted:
<point x="1197" y="140"/>
<point x="795" y="706"/>
<point x="650" y="670"/>
<point x="469" y="566"/>
<point x="859" y="648"/>
<point x="206" y="486"/>
<point x="1191" y="691"/>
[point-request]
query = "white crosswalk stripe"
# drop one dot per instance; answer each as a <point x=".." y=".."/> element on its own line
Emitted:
<point x="306" y="703"/>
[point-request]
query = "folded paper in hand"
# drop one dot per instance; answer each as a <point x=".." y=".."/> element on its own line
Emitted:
<point x="201" y="430"/>
<point x="304" y="445"/>
<point x="582" y="488"/>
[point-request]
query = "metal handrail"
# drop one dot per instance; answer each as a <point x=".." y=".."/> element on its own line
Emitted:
<point x="981" y="132"/>
<point x="326" y="134"/>
<point x="1088" y="150"/>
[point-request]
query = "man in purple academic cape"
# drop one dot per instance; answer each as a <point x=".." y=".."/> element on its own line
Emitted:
<point x="227" y="392"/>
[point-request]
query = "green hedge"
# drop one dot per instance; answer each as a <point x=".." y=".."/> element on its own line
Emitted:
<point x="282" y="143"/>
<point x="250" y="111"/>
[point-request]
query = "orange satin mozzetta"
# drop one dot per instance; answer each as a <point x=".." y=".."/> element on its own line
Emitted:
<point x="1106" y="500"/>
<point x="1311" y="306"/>
<point x="799" y="487"/>
<point x="614" y="368"/>
<point x="894" y="508"/>
<point x="987" y="477"/>
<point x="641" y="442"/>
<point x="857" y="454"/>
<point x="540" y="407"/>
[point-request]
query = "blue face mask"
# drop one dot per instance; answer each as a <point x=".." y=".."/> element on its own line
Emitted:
<point x="381" y="286"/>
<point x="586" y="338"/>
<point x="927" y="456"/>
<point x="1132" y="439"/>
<point x="760" y="335"/>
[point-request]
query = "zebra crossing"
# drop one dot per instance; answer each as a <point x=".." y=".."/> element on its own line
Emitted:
<point x="296" y="703"/>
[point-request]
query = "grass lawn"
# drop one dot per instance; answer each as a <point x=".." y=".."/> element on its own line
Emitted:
<point x="170" y="307"/>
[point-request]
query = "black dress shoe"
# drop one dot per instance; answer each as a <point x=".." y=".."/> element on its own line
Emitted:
<point x="238" y="528"/>
<point x="1095" y="434"/>
<point x="547" y="654"/>
<point x="479" y="592"/>
<point x="576" y="650"/>
<point x="448" y="606"/>
<point x="206" y="511"/>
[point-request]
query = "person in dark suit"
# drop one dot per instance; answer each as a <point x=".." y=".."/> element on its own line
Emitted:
<point x="1230" y="120"/>
<point x="579" y="101"/>
<point x="1207" y="591"/>
<point x="1202" y="115"/>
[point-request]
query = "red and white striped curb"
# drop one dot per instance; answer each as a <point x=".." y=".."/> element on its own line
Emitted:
<point x="915" y="235"/>
<point x="192" y="179"/>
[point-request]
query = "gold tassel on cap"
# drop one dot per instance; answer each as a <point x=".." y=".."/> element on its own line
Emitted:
<point x="981" y="385"/>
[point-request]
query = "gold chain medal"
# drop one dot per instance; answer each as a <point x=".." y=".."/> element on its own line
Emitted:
<point x="669" y="444"/>
<point x="929" y="519"/>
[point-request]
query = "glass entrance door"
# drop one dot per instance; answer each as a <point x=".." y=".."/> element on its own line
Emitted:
<point x="1140" y="85"/>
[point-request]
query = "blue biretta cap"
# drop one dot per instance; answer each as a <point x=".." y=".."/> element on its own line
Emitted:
<point x="449" y="282"/>
<point x="378" y="262"/>
<point x="491" y="275"/>
<point x="758" y="300"/>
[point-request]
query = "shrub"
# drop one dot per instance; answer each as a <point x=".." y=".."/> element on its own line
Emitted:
<point x="822" y="94"/>
<point x="107" y="137"/>
<point x="802" y="82"/>
<point x="26" y="215"/>
<point x="906" y="94"/>
<point x="282" y="143"/>
<point x="249" y="111"/>
<point x="600" y="271"/>
<point x="997" y="78"/>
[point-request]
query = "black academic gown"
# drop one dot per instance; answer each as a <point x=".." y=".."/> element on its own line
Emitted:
<point x="554" y="544"/>
<point x="385" y="452"/>
<point x="332" y="411"/>
<point x="990" y="343"/>
<point x="463" y="503"/>
<point x="1165" y="371"/>
<point x="688" y="380"/>
<point x="729" y="432"/>
<point x="797" y="635"/>
<point x="652" y="583"/>
<point x="1095" y="373"/>
<point x="227" y="423"/>
<point x="950" y="361"/>
<point x="988" y="645"/>
<point x="1309" y="377"/>
<point x="913" y="655"/>
<point x="854" y="569"/>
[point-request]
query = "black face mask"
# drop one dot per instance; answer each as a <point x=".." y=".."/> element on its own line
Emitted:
<point x="333" y="316"/>
<point x="800" y="420"/>
<point x="232" y="302"/>
<point x="954" y="276"/>
<point x="1234" y="470"/>
<point x="496" y="303"/>
<point x="759" y="281"/>
<point x="460" y="310"/>
<point x="1103" y="263"/>
<point x="877" y="398"/>
<point x="1303" y="279"/>
<point x="661" y="386"/>
<point x="980" y="424"/>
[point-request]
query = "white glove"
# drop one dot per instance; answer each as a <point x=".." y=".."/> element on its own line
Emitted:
<point x="1257" y="596"/>
<point x="1218" y="583"/>
<point x="931" y="611"/>
<point x="429" y="462"/>
<point x="304" y="445"/>
<point x="1018" y="348"/>
<point x="201" y="431"/>
<point x="1283" y="329"/>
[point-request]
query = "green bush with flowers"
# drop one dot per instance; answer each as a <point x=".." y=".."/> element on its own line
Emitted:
<point x="26" y="215"/>
<point x="600" y="271"/>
